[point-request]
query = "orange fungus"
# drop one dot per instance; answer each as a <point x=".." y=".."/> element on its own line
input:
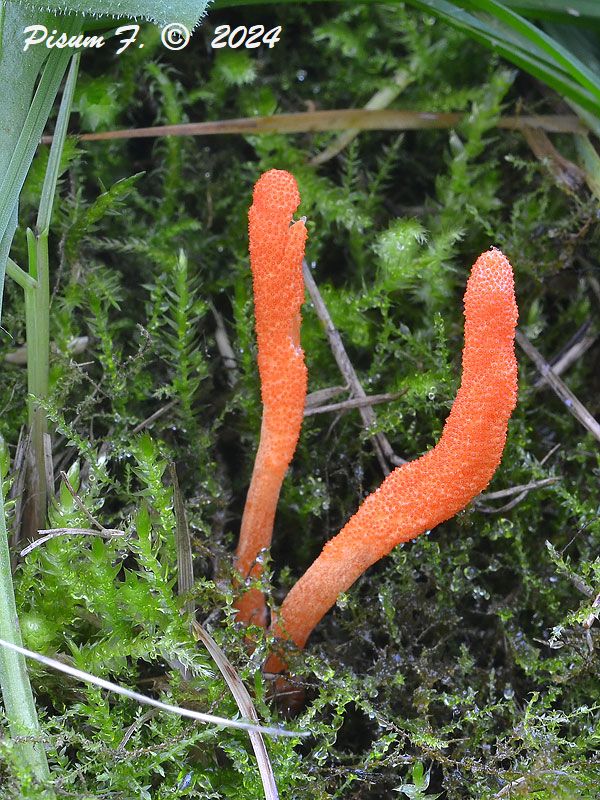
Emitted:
<point x="419" y="495"/>
<point x="276" y="252"/>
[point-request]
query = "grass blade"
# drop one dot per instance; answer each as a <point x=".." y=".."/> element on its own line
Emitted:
<point x="14" y="680"/>
<point x="58" y="141"/>
<point x="545" y="63"/>
<point x="556" y="9"/>
<point x="27" y="143"/>
<point x="143" y="699"/>
<point x="545" y="44"/>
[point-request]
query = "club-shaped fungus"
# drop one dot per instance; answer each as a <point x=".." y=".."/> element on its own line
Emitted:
<point x="276" y="252"/>
<point x="419" y="495"/>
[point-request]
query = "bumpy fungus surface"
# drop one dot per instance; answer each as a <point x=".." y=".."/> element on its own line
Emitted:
<point x="276" y="251"/>
<point x="419" y="495"/>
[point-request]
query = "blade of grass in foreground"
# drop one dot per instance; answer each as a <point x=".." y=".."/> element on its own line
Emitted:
<point x="525" y="45"/>
<point x="18" y="74"/>
<point x="537" y="9"/>
<point x="529" y="35"/>
<point x="16" y="689"/>
<point x="21" y="133"/>
<point x="339" y="119"/>
<point x="556" y="9"/>
<point x="199" y="716"/>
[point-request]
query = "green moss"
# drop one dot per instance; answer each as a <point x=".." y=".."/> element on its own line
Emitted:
<point x="460" y="663"/>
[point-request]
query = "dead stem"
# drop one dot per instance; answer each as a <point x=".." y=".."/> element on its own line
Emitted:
<point x="521" y="491"/>
<point x="574" y="349"/>
<point x="183" y="540"/>
<point x="383" y="449"/>
<point x="524" y="487"/>
<point x="320" y="396"/>
<point x="566" y="174"/>
<point x="573" y="405"/>
<point x="246" y="707"/>
<point x="153" y="417"/>
<point x="353" y="402"/>
<point x="335" y="120"/>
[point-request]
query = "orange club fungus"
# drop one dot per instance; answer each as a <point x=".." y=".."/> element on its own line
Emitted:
<point x="419" y="495"/>
<point x="276" y="252"/>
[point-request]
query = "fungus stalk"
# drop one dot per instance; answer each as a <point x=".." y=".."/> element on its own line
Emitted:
<point x="423" y="493"/>
<point x="276" y="252"/>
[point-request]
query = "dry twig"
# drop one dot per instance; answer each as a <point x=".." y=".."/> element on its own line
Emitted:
<point x="573" y="350"/>
<point x="566" y="174"/>
<point x="573" y="405"/>
<point x="246" y="707"/>
<point x="321" y="396"/>
<point x="153" y="417"/>
<point x="335" y="120"/>
<point x="524" y="487"/>
<point x="52" y="533"/>
<point x="521" y="491"/>
<point x="353" y="402"/>
<point x="185" y="583"/>
<point x="383" y="449"/>
<point x="183" y="541"/>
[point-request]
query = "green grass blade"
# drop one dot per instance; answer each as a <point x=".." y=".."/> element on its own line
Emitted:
<point x="537" y="9"/>
<point x="582" y="42"/>
<point x="557" y="9"/>
<point x="27" y="143"/>
<point x="18" y="74"/>
<point x="520" y="41"/>
<point x="534" y="36"/>
<point x="58" y="141"/>
<point x="5" y="244"/>
<point x="14" y="681"/>
<point x="19" y="276"/>
<point x="529" y="57"/>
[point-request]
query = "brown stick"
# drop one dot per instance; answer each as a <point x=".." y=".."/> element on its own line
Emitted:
<point x="520" y="491"/>
<point x="334" y="120"/>
<point x="153" y="417"/>
<point x="353" y="402"/>
<point x="225" y="349"/>
<point x="566" y="174"/>
<point x="524" y="487"/>
<point x="319" y="396"/>
<point x="573" y="405"/>
<point x="383" y="449"/>
<point x="573" y="350"/>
